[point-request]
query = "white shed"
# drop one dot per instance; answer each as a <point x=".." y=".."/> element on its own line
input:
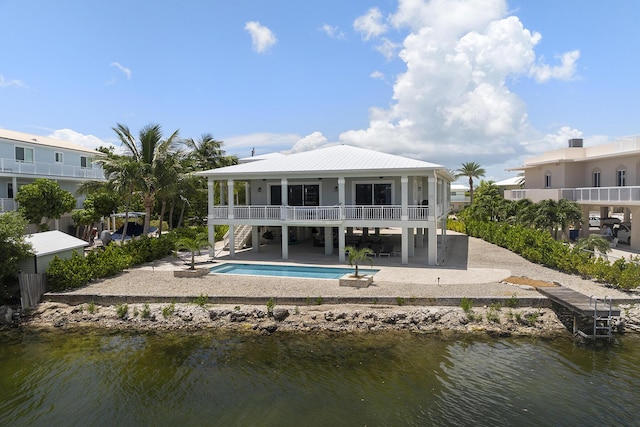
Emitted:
<point x="48" y="245"/>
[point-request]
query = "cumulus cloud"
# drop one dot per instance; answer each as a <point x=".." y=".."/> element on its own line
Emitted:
<point x="453" y="103"/>
<point x="370" y="25"/>
<point x="262" y="38"/>
<point x="126" y="71"/>
<point x="88" y="141"/>
<point x="379" y="75"/>
<point x="11" y="83"/>
<point x="310" y="142"/>
<point x="331" y="31"/>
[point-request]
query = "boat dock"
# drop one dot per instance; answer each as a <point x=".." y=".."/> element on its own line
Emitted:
<point x="597" y="313"/>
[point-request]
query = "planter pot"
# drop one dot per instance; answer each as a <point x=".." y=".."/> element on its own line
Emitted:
<point x="198" y="272"/>
<point x="356" y="282"/>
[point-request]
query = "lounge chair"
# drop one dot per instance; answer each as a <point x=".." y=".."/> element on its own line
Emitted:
<point x="387" y="250"/>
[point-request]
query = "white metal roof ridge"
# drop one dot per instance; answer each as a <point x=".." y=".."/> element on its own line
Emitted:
<point x="333" y="159"/>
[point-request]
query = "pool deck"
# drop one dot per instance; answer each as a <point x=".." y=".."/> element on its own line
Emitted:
<point x="468" y="268"/>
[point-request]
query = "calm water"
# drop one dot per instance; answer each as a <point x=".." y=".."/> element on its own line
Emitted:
<point x="205" y="378"/>
<point x="286" y="270"/>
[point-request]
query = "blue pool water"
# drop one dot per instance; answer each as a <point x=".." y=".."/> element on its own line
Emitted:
<point x="287" y="270"/>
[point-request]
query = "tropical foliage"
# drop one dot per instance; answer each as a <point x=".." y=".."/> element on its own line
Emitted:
<point x="470" y="170"/>
<point x="42" y="199"/>
<point x="13" y="248"/>
<point x="193" y="244"/>
<point x="356" y="256"/>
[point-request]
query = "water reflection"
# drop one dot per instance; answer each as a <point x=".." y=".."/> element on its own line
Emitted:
<point x="212" y="378"/>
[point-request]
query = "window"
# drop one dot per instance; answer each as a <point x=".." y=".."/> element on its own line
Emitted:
<point x="24" y="155"/>
<point x="298" y="195"/>
<point x="547" y="180"/>
<point x="373" y="194"/>
<point x="621" y="179"/>
<point x="596" y="179"/>
<point x="10" y="190"/>
<point x="58" y="157"/>
<point x="85" y="162"/>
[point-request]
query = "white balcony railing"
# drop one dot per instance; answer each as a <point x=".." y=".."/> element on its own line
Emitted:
<point x="7" y="205"/>
<point x="50" y="169"/>
<point x="580" y="195"/>
<point x="324" y="213"/>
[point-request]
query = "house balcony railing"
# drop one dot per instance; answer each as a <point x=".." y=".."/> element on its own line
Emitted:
<point x="13" y="167"/>
<point x="592" y="195"/>
<point x="330" y="214"/>
<point x="7" y="205"/>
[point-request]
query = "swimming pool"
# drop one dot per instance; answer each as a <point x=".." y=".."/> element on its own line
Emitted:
<point x="287" y="270"/>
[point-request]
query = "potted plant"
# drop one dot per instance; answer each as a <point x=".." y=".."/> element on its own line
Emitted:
<point x="192" y="244"/>
<point x="355" y="257"/>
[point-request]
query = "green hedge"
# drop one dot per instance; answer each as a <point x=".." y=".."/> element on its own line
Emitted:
<point x="539" y="247"/>
<point x="80" y="270"/>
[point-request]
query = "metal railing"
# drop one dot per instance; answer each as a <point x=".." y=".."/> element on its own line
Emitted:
<point x="50" y="169"/>
<point x="584" y="194"/>
<point x="324" y="213"/>
<point x="7" y="205"/>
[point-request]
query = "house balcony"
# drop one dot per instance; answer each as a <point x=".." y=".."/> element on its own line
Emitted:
<point x="11" y="167"/>
<point x="321" y="215"/>
<point x="586" y="195"/>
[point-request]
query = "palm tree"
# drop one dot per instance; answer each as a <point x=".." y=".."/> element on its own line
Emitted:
<point x="471" y="170"/>
<point x="356" y="256"/>
<point x="193" y="244"/>
<point x="207" y="153"/>
<point x="149" y="152"/>
<point x="592" y="243"/>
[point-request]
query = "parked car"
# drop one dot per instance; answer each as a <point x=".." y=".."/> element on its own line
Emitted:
<point x="623" y="232"/>
<point x="594" y="221"/>
<point x="609" y="222"/>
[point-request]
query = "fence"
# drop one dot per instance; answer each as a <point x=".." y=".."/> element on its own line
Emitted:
<point x="32" y="287"/>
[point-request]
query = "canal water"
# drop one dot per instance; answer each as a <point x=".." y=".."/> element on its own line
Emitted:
<point x="94" y="378"/>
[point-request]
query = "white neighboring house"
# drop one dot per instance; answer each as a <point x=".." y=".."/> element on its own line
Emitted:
<point x="25" y="157"/>
<point x="48" y="245"/>
<point x="333" y="190"/>
<point x="460" y="197"/>
<point x="513" y="183"/>
<point x="604" y="178"/>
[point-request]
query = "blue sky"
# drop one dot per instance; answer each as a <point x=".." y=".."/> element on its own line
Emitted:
<point x="446" y="81"/>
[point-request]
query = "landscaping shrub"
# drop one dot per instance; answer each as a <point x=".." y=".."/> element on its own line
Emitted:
<point x="540" y="247"/>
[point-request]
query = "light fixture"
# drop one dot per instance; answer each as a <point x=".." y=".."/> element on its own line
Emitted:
<point x="259" y="189"/>
<point x="335" y="188"/>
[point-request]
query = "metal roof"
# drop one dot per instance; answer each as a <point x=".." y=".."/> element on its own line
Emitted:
<point x="328" y="161"/>
<point x="50" y="242"/>
<point x="26" y="138"/>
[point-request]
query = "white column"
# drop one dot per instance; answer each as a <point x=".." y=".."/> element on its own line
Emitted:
<point x="255" y="238"/>
<point x="210" y="226"/>
<point x="432" y="246"/>
<point x="404" y="191"/>
<point x="285" y="242"/>
<point x="328" y="240"/>
<point x="247" y="193"/>
<point x="341" y="192"/>
<point x="405" y="246"/>
<point x="341" y="256"/>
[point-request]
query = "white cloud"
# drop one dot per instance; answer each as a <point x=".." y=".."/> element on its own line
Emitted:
<point x="452" y="103"/>
<point x="331" y="31"/>
<point x="565" y="71"/>
<point x="126" y="71"/>
<point x="88" y="141"/>
<point x="379" y="75"/>
<point x="262" y="38"/>
<point x="310" y="142"/>
<point x="387" y="48"/>
<point x="11" y="83"/>
<point x="370" y="25"/>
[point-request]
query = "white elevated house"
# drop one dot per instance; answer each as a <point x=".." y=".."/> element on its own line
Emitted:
<point x="25" y="157"/>
<point x="329" y="192"/>
<point x="604" y="178"/>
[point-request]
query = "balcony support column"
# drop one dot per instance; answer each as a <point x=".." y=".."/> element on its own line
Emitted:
<point x="341" y="255"/>
<point x="405" y="246"/>
<point x="232" y="228"/>
<point x="432" y="246"/>
<point x="328" y="240"/>
<point x="210" y="226"/>
<point x="285" y="242"/>
<point x="255" y="238"/>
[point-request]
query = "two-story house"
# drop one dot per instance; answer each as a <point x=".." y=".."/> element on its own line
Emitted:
<point x="604" y="178"/>
<point x="329" y="192"/>
<point x="24" y="157"/>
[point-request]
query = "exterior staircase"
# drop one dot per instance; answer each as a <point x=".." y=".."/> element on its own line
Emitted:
<point x="242" y="237"/>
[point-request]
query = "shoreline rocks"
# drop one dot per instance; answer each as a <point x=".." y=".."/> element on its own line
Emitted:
<point x="493" y="321"/>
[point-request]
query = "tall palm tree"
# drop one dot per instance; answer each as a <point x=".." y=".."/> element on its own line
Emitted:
<point x="471" y="170"/>
<point x="207" y="153"/>
<point x="149" y="151"/>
